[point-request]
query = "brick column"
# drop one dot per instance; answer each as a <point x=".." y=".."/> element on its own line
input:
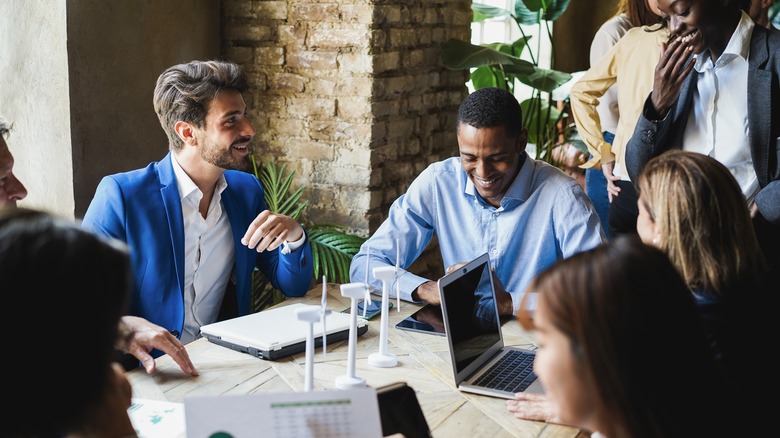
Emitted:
<point x="351" y="95"/>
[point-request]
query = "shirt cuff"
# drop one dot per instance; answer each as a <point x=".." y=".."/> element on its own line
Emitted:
<point x="288" y="247"/>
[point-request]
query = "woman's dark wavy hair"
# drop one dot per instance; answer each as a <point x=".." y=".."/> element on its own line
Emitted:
<point x="69" y="287"/>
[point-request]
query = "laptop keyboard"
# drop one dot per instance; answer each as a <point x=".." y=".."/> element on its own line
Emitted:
<point x="513" y="373"/>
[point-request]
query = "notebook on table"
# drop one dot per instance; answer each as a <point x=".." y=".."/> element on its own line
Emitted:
<point x="481" y="363"/>
<point x="277" y="333"/>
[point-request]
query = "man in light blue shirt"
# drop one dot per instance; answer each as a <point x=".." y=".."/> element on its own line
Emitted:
<point x="493" y="198"/>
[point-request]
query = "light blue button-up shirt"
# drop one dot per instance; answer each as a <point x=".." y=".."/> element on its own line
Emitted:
<point x="544" y="216"/>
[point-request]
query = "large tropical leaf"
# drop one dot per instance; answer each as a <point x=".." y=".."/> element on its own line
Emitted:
<point x="460" y="55"/>
<point x="276" y="185"/>
<point x="483" y="12"/>
<point x="542" y="79"/>
<point x="332" y="251"/>
<point x="527" y="15"/>
<point x="532" y="11"/>
<point x="487" y="76"/>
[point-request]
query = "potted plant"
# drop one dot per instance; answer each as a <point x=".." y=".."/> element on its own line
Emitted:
<point x="332" y="247"/>
<point x="500" y="65"/>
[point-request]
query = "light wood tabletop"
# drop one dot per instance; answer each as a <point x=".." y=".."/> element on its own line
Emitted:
<point x="423" y="362"/>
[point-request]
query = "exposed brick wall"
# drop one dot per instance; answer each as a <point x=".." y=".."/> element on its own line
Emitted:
<point x="351" y="95"/>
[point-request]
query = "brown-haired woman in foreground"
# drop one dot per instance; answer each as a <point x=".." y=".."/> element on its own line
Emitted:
<point x="621" y="348"/>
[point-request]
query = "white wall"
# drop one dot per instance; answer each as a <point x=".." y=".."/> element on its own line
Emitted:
<point x="34" y="96"/>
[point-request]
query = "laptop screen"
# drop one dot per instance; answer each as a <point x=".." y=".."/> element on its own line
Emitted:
<point x="474" y="326"/>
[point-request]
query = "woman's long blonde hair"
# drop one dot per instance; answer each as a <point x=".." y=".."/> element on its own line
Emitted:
<point x="703" y="218"/>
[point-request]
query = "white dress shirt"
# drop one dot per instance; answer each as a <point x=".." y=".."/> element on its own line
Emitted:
<point x="718" y="123"/>
<point x="208" y="254"/>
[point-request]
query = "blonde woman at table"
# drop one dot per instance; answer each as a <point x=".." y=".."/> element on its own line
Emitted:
<point x="70" y="287"/>
<point x="622" y="352"/>
<point x="691" y="207"/>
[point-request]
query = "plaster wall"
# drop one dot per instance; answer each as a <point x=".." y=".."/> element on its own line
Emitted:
<point x="34" y="97"/>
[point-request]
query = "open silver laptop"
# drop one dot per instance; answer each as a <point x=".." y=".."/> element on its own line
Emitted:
<point x="276" y="333"/>
<point x="476" y="344"/>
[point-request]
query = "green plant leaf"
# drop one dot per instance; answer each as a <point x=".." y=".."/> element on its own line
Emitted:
<point x="555" y="8"/>
<point x="333" y="250"/>
<point x="528" y="15"/>
<point x="519" y="45"/>
<point x="485" y="77"/>
<point x="483" y="12"/>
<point x="533" y="11"/>
<point x="543" y="79"/>
<point x="460" y="55"/>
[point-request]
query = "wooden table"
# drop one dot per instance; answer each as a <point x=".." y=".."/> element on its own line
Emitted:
<point x="423" y="362"/>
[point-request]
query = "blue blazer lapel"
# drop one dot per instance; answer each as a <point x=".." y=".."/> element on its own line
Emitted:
<point x="169" y="191"/>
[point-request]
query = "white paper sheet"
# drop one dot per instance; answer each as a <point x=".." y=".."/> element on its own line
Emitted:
<point x="157" y="419"/>
<point x="316" y="414"/>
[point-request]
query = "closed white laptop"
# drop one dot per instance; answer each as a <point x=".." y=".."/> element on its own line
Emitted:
<point x="277" y="333"/>
<point x="477" y="344"/>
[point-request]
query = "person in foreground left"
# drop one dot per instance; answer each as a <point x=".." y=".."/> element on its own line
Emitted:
<point x="196" y="222"/>
<point x="622" y="350"/>
<point x="80" y="395"/>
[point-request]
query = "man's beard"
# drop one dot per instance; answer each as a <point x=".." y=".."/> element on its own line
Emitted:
<point x="224" y="159"/>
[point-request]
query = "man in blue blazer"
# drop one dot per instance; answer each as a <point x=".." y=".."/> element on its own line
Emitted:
<point x="729" y="107"/>
<point x="196" y="222"/>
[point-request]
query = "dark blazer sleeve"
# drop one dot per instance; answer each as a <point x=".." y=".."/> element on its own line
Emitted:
<point x="652" y="136"/>
<point x="764" y="119"/>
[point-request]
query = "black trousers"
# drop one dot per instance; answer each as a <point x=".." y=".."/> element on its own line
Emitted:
<point x="623" y="210"/>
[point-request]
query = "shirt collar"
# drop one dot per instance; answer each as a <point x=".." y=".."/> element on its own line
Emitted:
<point x="739" y="44"/>
<point x="519" y="188"/>
<point x="187" y="186"/>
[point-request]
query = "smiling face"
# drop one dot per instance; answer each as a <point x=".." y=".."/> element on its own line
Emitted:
<point x="491" y="159"/>
<point x="225" y="139"/>
<point x="705" y="22"/>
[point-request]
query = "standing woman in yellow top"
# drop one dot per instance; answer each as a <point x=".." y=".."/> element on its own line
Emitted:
<point x="630" y="13"/>
<point x="624" y="73"/>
